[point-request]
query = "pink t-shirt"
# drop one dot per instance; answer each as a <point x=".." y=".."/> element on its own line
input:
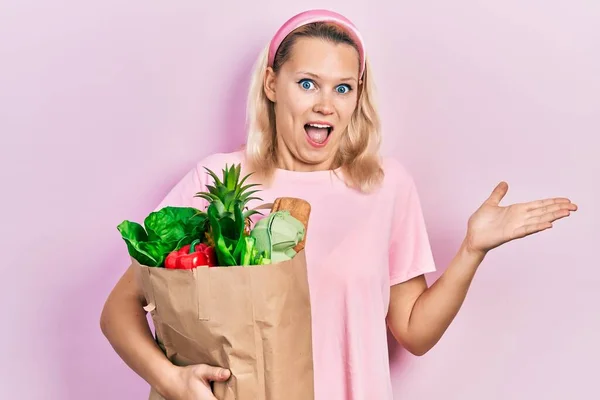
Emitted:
<point x="357" y="247"/>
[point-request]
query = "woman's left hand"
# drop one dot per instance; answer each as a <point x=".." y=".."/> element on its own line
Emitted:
<point x="493" y="225"/>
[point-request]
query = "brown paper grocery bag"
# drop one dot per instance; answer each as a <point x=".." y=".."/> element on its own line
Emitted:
<point x="254" y="321"/>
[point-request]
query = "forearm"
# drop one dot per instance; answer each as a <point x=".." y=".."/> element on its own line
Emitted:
<point x="437" y="306"/>
<point x="124" y="324"/>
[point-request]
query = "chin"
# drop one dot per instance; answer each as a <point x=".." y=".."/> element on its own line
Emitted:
<point x="312" y="156"/>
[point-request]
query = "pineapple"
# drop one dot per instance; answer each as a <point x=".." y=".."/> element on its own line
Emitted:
<point x="228" y="214"/>
<point x="228" y="191"/>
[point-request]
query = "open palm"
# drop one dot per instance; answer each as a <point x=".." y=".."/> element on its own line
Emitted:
<point x="493" y="225"/>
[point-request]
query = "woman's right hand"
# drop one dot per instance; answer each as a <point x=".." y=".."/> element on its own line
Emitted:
<point x="193" y="382"/>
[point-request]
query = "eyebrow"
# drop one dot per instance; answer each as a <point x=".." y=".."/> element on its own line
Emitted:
<point x="318" y="77"/>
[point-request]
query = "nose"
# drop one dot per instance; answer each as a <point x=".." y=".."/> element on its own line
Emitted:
<point x="324" y="105"/>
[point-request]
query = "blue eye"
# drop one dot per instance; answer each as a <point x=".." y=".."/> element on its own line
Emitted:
<point x="343" y="89"/>
<point x="306" y="84"/>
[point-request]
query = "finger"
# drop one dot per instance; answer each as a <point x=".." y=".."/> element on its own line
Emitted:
<point x="210" y="395"/>
<point x="210" y="373"/>
<point x="549" y="217"/>
<point x="498" y="193"/>
<point x="546" y="202"/>
<point x="530" y="229"/>
<point x="551" y="209"/>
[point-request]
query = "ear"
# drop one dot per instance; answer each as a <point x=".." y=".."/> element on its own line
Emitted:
<point x="269" y="84"/>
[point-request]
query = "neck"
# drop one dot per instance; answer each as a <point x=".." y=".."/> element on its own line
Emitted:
<point x="286" y="160"/>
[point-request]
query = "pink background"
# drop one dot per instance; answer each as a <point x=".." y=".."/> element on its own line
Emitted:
<point x="104" y="105"/>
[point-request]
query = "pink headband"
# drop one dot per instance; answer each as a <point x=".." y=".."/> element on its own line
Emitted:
<point x="310" y="16"/>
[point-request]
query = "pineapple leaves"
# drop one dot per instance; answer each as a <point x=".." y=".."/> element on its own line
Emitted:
<point x="246" y="197"/>
<point x="254" y="198"/>
<point x="250" y="213"/>
<point x="214" y="176"/>
<point x="228" y="214"/>
<point x="232" y="177"/>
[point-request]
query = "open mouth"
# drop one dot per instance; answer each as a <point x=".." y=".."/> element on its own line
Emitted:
<point x="318" y="133"/>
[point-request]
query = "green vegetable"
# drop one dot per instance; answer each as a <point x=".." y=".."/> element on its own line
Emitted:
<point x="228" y="216"/>
<point x="164" y="231"/>
<point x="223" y="248"/>
<point x="277" y="235"/>
<point x="248" y="252"/>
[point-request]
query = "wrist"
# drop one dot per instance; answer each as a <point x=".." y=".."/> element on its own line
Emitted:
<point x="167" y="381"/>
<point x="471" y="253"/>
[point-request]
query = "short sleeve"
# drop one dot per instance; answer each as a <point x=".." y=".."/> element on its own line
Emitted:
<point x="410" y="253"/>
<point x="182" y="194"/>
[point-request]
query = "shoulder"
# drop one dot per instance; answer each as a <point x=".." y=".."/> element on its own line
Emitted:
<point x="195" y="180"/>
<point x="401" y="186"/>
<point x="396" y="175"/>
<point x="217" y="161"/>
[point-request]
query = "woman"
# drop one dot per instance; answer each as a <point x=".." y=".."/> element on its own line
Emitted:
<point x="314" y="133"/>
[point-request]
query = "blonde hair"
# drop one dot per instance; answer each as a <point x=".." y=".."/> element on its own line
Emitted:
<point x="358" y="156"/>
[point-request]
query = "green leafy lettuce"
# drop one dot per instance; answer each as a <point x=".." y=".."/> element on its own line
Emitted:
<point x="164" y="231"/>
